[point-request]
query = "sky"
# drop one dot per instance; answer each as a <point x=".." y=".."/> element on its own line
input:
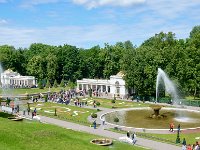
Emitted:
<point x="87" y="23"/>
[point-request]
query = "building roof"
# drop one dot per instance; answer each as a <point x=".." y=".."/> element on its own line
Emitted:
<point x="8" y="71"/>
<point x="121" y="74"/>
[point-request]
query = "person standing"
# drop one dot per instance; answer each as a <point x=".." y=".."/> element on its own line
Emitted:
<point x="184" y="144"/>
<point x="179" y="128"/>
<point x="134" y="138"/>
<point x="128" y="134"/>
<point x="103" y="121"/>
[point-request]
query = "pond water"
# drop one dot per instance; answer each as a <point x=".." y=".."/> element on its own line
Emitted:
<point x="140" y="118"/>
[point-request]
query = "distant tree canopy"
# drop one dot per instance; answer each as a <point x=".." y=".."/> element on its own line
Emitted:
<point x="180" y="58"/>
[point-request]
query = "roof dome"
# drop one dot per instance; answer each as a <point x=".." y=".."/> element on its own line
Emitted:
<point x="8" y="71"/>
<point x="121" y="74"/>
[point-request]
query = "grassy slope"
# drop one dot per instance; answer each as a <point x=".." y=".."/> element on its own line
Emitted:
<point x="37" y="136"/>
<point x="31" y="90"/>
<point x="82" y="116"/>
<point x="118" y="103"/>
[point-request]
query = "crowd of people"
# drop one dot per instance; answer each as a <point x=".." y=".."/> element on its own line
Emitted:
<point x="186" y="146"/>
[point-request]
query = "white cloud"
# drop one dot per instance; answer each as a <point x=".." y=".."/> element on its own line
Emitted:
<point x="31" y="3"/>
<point x="3" y="21"/>
<point x="172" y="8"/>
<point x="88" y="36"/>
<point x="97" y="3"/>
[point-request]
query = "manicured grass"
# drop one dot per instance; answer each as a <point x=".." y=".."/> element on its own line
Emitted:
<point x="190" y="137"/>
<point x="165" y="138"/>
<point x="28" y="135"/>
<point x="118" y="103"/>
<point x="64" y="112"/>
<point x="18" y="91"/>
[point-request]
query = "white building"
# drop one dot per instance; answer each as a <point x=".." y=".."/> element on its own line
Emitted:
<point x="113" y="87"/>
<point x="10" y="78"/>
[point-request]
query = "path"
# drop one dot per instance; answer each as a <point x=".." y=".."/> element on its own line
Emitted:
<point x="154" y="145"/>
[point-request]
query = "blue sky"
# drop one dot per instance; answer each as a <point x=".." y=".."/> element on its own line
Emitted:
<point x="86" y="23"/>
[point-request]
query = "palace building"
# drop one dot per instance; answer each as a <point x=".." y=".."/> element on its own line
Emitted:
<point x="115" y="86"/>
<point x="10" y="78"/>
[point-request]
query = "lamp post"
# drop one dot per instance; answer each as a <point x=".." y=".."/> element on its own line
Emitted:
<point x="178" y="134"/>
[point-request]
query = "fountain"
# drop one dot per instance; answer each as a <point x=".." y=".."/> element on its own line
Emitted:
<point x="170" y="87"/>
<point x="156" y="109"/>
<point x="162" y="116"/>
<point x="102" y="142"/>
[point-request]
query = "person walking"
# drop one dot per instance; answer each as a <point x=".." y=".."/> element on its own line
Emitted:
<point x="128" y="134"/>
<point x="134" y="138"/>
<point x="171" y="127"/>
<point x="94" y="124"/>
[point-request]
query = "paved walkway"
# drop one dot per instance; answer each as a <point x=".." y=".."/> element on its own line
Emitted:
<point x="149" y="144"/>
<point x="101" y="132"/>
<point x="105" y="133"/>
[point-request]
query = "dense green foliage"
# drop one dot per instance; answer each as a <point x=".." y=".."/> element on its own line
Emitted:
<point x="178" y="57"/>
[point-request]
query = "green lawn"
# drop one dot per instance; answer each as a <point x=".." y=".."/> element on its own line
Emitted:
<point x="190" y="137"/>
<point x="118" y="103"/>
<point x="64" y="112"/>
<point x="18" y="91"/>
<point x="27" y="135"/>
<point x="165" y="138"/>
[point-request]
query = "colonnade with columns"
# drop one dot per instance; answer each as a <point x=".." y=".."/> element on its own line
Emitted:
<point x="94" y="87"/>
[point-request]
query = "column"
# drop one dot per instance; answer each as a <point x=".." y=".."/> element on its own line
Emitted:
<point x="101" y="88"/>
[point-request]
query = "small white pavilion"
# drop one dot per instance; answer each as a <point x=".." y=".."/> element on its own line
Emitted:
<point x="10" y="78"/>
<point x="113" y="87"/>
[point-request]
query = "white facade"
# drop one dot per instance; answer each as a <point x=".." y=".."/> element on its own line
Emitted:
<point x="10" y="78"/>
<point x="113" y="87"/>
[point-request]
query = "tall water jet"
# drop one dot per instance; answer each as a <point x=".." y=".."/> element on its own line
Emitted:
<point x="170" y="87"/>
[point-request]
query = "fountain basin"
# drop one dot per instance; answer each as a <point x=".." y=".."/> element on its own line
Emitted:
<point x="102" y="142"/>
<point x="140" y="118"/>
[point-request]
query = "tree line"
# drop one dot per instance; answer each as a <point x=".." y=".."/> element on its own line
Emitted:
<point x="179" y="58"/>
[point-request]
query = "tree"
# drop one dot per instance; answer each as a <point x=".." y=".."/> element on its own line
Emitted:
<point x="36" y="67"/>
<point x="55" y="84"/>
<point x="40" y="85"/>
<point x="51" y="66"/>
<point x="62" y="83"/>
<point x="48" y="84"/>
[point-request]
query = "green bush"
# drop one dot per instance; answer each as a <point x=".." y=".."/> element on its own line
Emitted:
<point x="116" y="119"/>
<point x="98" y="104"/>
<point x="93" y="115"/>
<point x="113" y="101"/>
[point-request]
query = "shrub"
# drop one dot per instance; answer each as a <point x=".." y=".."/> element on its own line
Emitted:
<point x="116" y="119"/>
<point x="98" y="104"/>
<point x="113" y="101"/>
<point x="93" y="115"/>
